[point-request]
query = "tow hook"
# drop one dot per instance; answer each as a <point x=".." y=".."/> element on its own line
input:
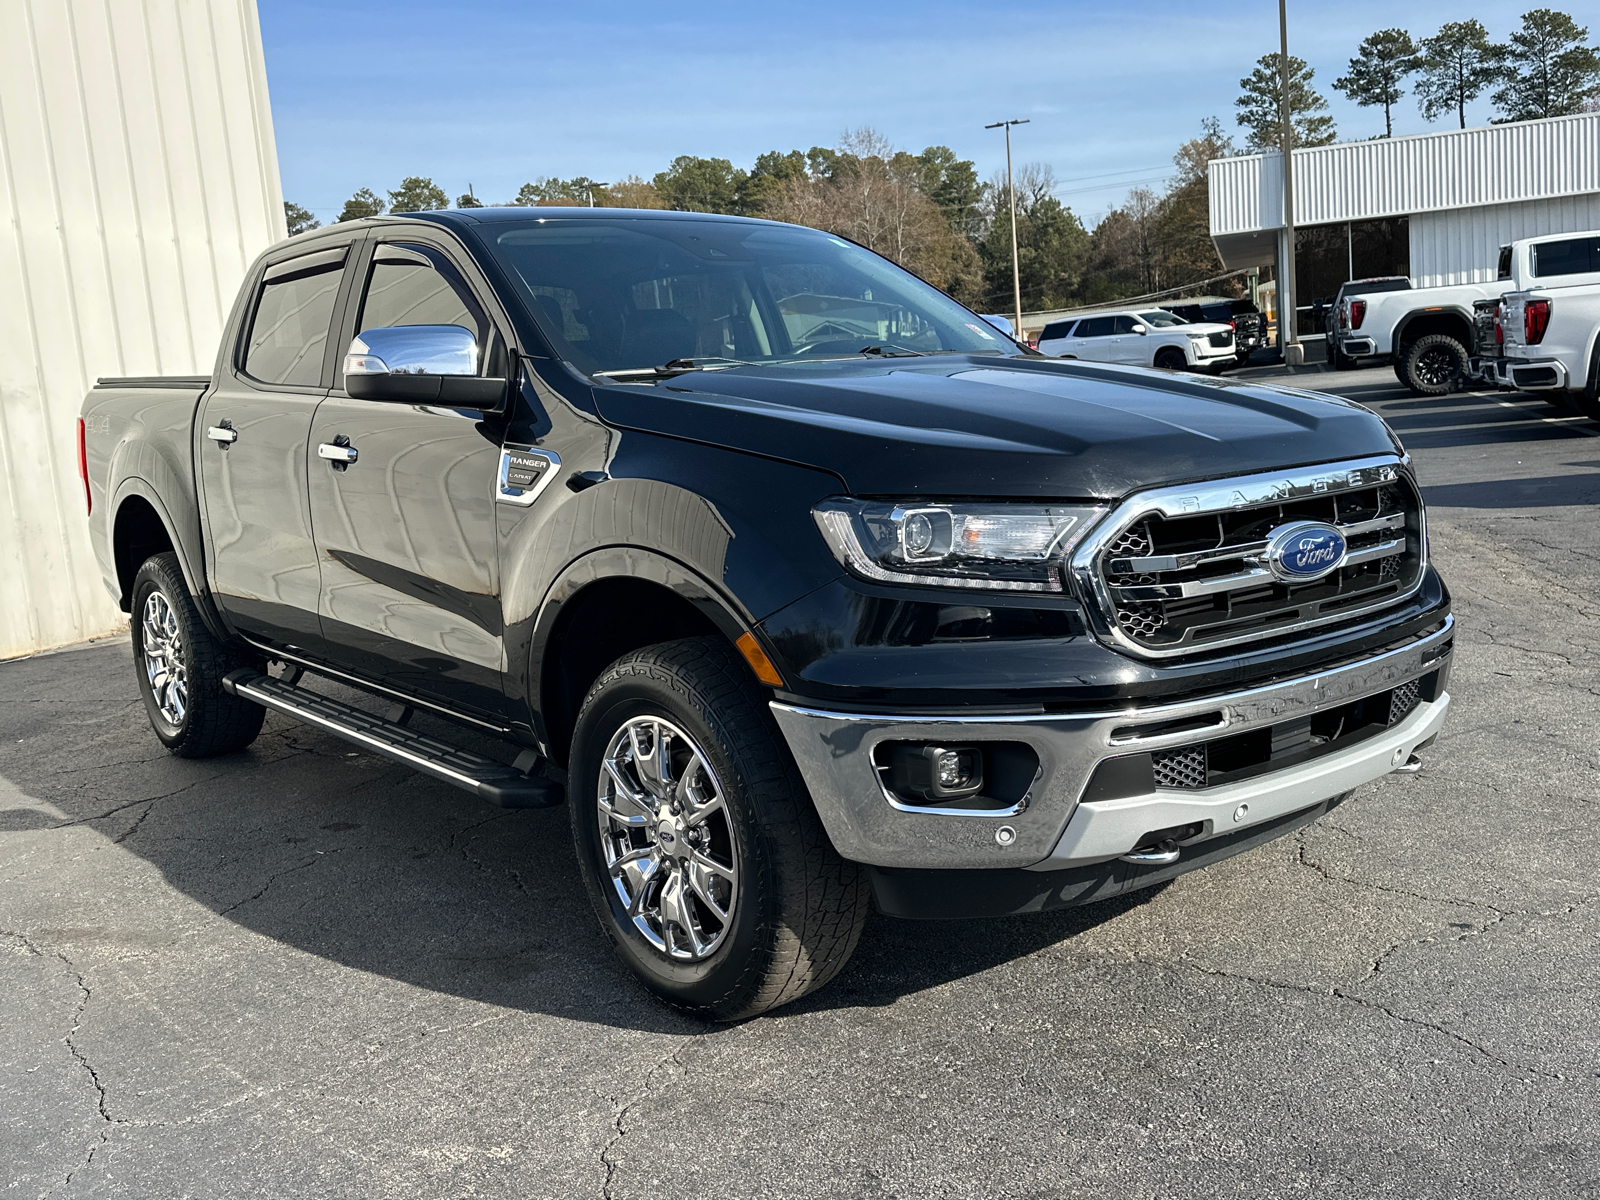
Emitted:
<point x="1410" y="767"/>
<point x="1158" y="855"/>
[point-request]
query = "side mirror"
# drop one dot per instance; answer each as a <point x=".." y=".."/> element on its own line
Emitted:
<point x="1140" y="329"/>
<point x="420" y="364"/>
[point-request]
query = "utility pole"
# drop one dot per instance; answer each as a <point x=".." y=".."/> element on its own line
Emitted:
<point x="1288" y="332"/>
<point x="1011" y="188"/>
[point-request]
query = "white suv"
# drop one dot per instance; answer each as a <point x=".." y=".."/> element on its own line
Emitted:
<point x="1141" y="338"/>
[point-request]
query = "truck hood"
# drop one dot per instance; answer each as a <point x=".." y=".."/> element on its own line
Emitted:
<point x="979" y="426"/>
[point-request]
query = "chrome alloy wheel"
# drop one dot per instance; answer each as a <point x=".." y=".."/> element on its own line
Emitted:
<point x="667" y="839"/>
<point x="163" y="659"/>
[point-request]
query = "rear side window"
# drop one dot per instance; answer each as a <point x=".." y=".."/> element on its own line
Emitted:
<point x="1574" y="256"/>
<point x="1095" y="327"/>
<point x="1054" y="330"/>
<point x="289" y="331"/>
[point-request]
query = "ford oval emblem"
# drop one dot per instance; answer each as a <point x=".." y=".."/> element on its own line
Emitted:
<point x="1305" y="550"/>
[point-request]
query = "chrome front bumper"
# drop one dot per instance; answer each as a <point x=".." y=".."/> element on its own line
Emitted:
<point x="1050" y="828"/>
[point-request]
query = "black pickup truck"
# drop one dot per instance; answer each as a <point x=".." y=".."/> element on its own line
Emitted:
<point x="803" y="587"/>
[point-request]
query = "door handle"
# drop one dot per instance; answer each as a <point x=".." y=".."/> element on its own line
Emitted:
<point x="223" y="434"/>
<point x="337" y="454"/>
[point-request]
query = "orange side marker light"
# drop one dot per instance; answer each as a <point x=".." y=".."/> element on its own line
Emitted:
<point x="758" y="660"/>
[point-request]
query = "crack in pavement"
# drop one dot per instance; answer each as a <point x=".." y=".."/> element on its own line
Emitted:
<point x="151" y="800"/>
<point x="272" y="879"/>
<point x="1362" y="1002"/>
<point x="620" y="1116"/>
<point x="68" y="1040"/>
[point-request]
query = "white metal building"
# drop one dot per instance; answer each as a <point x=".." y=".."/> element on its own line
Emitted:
<point x="138" y="178"/>
<point x="1436" y="206"/>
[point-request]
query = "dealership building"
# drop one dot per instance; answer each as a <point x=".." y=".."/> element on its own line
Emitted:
<point x="1436" y="206"/>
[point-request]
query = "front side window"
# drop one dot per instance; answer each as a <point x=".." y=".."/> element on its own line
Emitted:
<point x="415" y="285"/>
<point x="1124" y="323"/>
<point x="289" y="331"/>
<point x="1574" y="256"/>
<point x="630" y="294"/>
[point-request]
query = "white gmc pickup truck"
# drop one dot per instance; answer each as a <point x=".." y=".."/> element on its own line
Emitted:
<point x="1546" y="333"/>
<point x="1428" y="332"/>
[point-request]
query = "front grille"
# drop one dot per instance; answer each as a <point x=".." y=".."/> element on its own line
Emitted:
<point x="1184" y="767"/>
<point x="1221" y="339"/>
<point x="1187" y="579"/>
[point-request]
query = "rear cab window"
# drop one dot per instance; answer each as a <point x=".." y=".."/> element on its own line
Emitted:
<point x="290" y="323"/>
<point x="1570" y="256"/>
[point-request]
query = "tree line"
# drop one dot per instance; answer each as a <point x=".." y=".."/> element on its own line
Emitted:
<point x="1545" y="68"/>
<point x="928" y="211"/>
<point x="931" y="212"/>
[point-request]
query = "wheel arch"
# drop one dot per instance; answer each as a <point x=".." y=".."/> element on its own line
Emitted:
<point x="602" y="606"/>
<point x="1451" y="321"/>
<point x="142" y="526"/>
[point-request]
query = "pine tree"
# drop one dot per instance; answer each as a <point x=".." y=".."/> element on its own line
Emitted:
<point x="299" y="220"/>
<point x="417" y="194"/>
<point x="1550" y="72"/>
<point x="1458" y="63"/>
<point x="1382" y="61"/>
<point x="1258" y="106"/>
<point x="365" y="203"/>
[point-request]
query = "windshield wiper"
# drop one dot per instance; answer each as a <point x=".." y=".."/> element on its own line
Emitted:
<point x="677" y="366"/>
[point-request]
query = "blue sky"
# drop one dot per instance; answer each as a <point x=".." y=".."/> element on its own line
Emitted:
<point x="492" y="93"/>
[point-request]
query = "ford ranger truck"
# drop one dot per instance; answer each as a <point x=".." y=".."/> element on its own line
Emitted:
<point x="803" y="587"/>
<point x="1547" y="333"/>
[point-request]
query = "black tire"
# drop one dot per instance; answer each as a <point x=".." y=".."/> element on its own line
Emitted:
<point x="193" y="716"/>
<point x="799" y="908"/>
<point x="1433" y="365"/>
<point x="1170" y="358"/>
<point x="1588" y="401"/>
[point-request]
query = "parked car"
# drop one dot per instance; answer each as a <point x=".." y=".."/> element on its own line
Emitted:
<point x="1427" y="333"/>
<point x="1141" y="337"/>
<point x="1547" y="332"/>
<point x="1337" y="318"/>
<point x="1248" y="322"/>
<point x="794" y="625"/>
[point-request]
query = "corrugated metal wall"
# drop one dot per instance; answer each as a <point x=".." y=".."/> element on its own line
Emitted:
<point x="1463" y="246"/>
<point x="138" y="178"/>
<point x="1431" y="172"/>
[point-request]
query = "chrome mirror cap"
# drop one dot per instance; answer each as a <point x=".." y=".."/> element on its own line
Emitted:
<point x="413" y="350"/>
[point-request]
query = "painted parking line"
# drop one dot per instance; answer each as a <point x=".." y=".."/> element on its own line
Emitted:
<point x="1548" y="420"/>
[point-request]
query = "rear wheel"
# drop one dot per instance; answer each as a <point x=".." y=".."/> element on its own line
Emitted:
<point x="706" y="862"/>
<point x="1170" y="358"/>
<point x="1588" y="401"/>
<point x="181" y="665"/>
<point x="1434" y="365"/>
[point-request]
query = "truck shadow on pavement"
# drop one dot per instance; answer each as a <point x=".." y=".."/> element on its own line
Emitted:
<point x="367" y="865"/>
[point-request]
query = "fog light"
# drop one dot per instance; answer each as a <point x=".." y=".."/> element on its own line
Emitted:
<point x="932" y="772"/>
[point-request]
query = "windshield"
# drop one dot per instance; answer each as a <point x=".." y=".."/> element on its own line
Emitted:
<point x="627" y="294"/>
<point x="1160" y="319"/>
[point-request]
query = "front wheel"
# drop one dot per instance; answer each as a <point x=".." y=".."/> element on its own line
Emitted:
<point x="1171" y="359"/>
<point x="706" y="862"/>
<point x="181" y="665"/>
<point x="1435" y="365"/>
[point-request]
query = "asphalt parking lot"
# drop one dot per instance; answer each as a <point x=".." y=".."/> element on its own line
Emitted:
<point x="306" y="972"/>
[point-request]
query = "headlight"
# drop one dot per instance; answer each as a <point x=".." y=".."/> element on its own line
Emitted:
<point x="1015" y="547"/>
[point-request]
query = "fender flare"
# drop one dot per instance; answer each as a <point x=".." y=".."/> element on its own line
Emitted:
<point x="133" y="486"/>
<point x="624" y="562"/>
<point x="1397" y="337"/>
